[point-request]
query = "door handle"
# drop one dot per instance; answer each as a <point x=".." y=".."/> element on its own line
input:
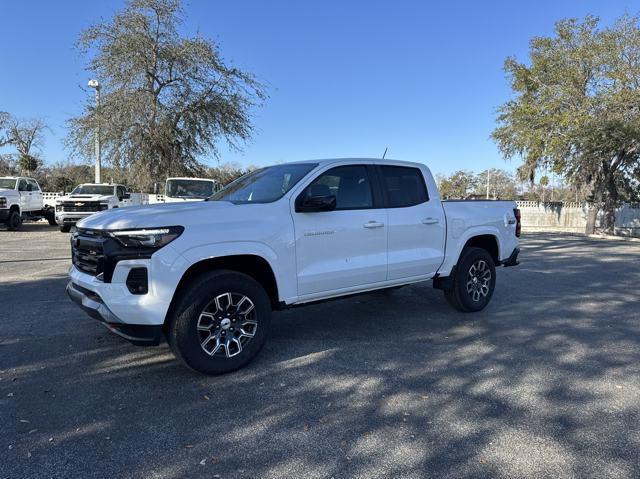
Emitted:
<point x="373" y="224"/>
<point x="430" y="221"/>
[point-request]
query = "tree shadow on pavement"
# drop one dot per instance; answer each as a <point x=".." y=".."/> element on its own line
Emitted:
<point x="543" y="383"/>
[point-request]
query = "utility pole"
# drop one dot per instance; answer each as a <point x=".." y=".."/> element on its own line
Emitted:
<point x="488" y="181"/>
<point x="96" y="85"/>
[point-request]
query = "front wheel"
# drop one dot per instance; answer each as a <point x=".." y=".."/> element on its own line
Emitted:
<point x="473" y="282"/>
<point x="51" y="217"/>
<point x="220" y="322"/>
<point x="14" y="221"/>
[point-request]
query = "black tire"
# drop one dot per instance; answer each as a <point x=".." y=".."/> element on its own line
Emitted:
<point x="14" y="221"/>
<point x="65" y="228"/>
<point x="51" y="217"/>
<point x="202" y="295"/>
<point x="475" y="296"/>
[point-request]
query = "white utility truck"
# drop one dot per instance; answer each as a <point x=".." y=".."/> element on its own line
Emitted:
<point x="188" y="189"/>
<point x="207" y="275"/>
<point x="21" y="199"/>
<point x="88" y="199"/>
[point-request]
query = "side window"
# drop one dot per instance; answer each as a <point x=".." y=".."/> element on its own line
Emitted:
<point x="404" y="186"/>
<point x="22" y="185"/>
<point x="34" y="185"/>
<point x="349" y="184"/>
<point x="120" y="191"/>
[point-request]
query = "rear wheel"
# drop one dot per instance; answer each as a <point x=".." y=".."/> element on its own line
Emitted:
<point x="220" y="322"/>
<point x="14" y="221"/>
<point x="65" y="228"/>
<point x="474" y="281"/>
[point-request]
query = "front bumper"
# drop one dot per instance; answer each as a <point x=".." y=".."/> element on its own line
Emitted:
<point x="4" y="215"/>
<point x="91" y="303"/>
<point x="71" y="218"/>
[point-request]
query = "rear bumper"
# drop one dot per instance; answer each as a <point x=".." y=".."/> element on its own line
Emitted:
<point x="512" y="260"/>
<point x="92" y="304"/>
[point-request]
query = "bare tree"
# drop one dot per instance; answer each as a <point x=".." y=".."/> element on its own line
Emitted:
<point x="26" y="136"/>
<point x="4" y="123"/>
<point x="166" y="99"/>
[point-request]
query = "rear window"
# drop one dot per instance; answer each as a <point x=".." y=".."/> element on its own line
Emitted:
<point x="404" y="186"/>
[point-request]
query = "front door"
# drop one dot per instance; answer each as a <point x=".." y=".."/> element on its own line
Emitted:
<point x="25" y="195"/>
<point x="346" y="247"/>
<point x="35" y="199"/>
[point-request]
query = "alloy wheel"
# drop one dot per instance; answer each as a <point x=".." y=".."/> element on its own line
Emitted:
<point x="478" y="280"/>
<point x="227" y="324"/>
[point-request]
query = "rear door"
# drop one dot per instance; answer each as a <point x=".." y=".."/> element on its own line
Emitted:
<point x="346" y="247"/>
<point x="416" y="224"/>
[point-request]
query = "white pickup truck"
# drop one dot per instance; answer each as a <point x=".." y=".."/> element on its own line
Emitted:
<point x="87" y="199"/>
<point x="21" y="199"/>
<point x="188" y="189"/>
<point x="207" y="275"/>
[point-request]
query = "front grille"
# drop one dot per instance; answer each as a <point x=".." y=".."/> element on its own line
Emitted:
<point x="82" y="206"/>
<point x="87" y="252"/>
<point x="97" y="253"/>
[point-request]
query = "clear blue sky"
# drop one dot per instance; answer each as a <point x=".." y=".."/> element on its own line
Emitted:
<point x="346" y="78"/>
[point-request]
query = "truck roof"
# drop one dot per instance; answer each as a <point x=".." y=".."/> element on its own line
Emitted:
<point x="189" y="178"/>
<point x="386" y="161"/>
<point x="16" y="177"/>
<point x="101" y="184"/>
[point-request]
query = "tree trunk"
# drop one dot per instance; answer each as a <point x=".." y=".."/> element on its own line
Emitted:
<point x="610" y="205"/>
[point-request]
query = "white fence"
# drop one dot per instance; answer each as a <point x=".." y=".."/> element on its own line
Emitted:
<point x="49" y="198"/>
<point x="573" y="217"/>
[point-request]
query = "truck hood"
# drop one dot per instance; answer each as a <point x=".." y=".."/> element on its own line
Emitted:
<point x="8" y="192"/>
<point x="85" y="198"/>
<point x="163" y="214"/>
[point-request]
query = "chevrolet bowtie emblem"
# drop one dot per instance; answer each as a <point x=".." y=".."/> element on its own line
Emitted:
<point x="78" y="204"/>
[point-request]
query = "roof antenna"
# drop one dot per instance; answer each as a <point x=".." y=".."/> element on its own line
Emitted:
<point x="385" y="153"/>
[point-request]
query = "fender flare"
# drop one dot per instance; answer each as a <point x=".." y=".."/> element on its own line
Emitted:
<point x="452" y="257"/>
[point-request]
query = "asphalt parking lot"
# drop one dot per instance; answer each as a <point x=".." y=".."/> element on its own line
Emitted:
<point x="544" y="383"/>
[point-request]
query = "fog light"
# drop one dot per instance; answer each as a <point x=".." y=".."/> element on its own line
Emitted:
<point x="137" y="281"/>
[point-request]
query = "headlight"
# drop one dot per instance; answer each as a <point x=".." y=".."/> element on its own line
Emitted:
<point x="104" y="205"/>
<point x="3" y="202"/>
<point x="148" y="237"/>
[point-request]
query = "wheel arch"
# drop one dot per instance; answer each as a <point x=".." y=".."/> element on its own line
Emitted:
<point x="252" y="265"/>
<point x="488" y="242"/>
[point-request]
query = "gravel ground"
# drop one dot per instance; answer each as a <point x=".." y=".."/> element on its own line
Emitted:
<point x="544" y="383"/>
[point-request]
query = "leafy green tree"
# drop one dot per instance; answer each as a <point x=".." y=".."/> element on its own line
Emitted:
<point x="502" y="185"/>
<point x="459" y="184"/>
<point x="166" y="99"/>
<point x="576" y="109"/>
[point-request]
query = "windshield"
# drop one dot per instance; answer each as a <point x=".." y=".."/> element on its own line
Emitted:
<point x="265" y="185"/>
<point x="9" y="183"/>
<point x="93" y="190"/>
<point x="189" y="188"/>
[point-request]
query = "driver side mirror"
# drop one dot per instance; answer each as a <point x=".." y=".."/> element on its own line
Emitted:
<point x="312" y="204"/>
<point x="127" y="196"/>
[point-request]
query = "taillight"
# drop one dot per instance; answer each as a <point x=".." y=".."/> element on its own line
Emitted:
<point x="516" y="212"/>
